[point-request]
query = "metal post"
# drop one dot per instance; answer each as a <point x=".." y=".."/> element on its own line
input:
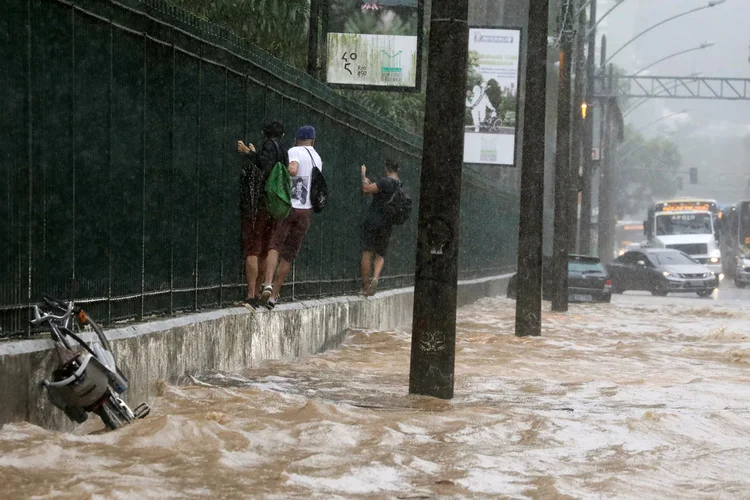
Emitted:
<point x="433" y="344"/>
<point x="588" y="137"/>
<point x="560" y="240"/>
<point x="576" y="129"/>
<point x="531" y="224"/>
<point x="313" y="41"/>
<point x="605" y="250"/>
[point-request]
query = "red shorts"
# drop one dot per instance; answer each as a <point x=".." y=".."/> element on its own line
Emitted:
<point x="288" y="234"/>
<point x="256" y="231"/>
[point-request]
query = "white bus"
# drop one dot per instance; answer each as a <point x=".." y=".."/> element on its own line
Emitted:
<point x="689" y="225"/>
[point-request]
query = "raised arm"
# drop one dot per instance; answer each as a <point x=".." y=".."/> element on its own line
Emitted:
<point x="368" y="187"/>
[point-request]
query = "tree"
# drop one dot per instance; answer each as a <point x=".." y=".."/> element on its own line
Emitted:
<point x="281" y="28"/>
<point x="645" y="170"/>
<point x="277" y="26"/>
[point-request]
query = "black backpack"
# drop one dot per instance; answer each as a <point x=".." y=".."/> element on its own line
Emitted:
<point x="398" y="206"/>
<point x="318" y="188"/>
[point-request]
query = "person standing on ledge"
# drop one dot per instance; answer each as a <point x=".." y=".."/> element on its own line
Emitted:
<point x="377" y="228"/>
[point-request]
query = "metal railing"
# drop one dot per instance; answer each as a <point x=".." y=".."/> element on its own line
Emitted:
<point x="122" y="177"/>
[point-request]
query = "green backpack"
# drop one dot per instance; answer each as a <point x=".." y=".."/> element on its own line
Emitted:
<point x="279" y="192"/>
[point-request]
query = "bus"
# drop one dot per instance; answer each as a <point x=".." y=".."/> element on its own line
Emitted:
<point x="689" y="225"/>
<point x="735" y="243"/>
<point x="627" y="233"/>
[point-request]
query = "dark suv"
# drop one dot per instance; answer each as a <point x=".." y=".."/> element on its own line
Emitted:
<point x="588" y="281"/>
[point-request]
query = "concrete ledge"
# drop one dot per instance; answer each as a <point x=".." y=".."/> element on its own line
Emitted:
<point x="229" y="340"/>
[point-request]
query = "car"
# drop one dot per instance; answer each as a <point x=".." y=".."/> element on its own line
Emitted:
<point x="587" y="280"/>
<point x="661" y="271"/>
<point x="742" y="271"/>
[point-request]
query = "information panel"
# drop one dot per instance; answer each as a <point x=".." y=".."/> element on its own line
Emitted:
<point x="374" y="45"/>
<point x="492" y="96"/>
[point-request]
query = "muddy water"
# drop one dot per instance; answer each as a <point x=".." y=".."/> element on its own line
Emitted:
<point x="629" y="400"/>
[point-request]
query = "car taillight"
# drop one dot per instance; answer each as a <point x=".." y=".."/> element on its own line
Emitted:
<point x="608" y="283"/>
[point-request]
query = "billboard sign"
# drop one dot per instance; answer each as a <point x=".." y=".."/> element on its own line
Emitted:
<point x="374" y="45"/>
<point x="491" y="120"/>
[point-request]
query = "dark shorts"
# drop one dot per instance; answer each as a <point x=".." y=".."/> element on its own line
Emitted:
<point x="375" y="238"/>
<point x="256" y="231"/>
<point x="288" y="234"/>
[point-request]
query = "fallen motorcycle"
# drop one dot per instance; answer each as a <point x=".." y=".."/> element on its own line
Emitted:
<point x="87" y="379"/>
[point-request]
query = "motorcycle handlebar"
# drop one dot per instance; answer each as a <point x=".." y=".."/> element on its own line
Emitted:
<point x="56" y="303"/>
<point x="41" y="316"/>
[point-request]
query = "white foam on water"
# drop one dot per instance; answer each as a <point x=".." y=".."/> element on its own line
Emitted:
<point x="360" y="480"/>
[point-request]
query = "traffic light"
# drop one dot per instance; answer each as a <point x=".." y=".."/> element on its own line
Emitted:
<point x="693" y="176"/>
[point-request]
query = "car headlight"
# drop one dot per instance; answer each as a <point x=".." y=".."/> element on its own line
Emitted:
<point x="667" y="274"/>
<point x="715" y="260"/>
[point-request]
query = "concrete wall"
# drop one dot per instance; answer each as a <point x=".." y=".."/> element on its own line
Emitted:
<point x="223" y="340"/>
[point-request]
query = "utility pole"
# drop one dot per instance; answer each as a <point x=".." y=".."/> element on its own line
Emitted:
<point x="605" y="245"/>
<point x="313" y="39"/>
<point x="588" y="136"/>
<point x="576" y="130"/>
<point x="531" y="225"/>
<point x="433" y="343"/>
<point x="560" y="242"/>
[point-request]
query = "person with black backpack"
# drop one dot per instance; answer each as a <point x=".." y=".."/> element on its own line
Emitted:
<point x="390" y="206"/>
<point x="257" y="223"/>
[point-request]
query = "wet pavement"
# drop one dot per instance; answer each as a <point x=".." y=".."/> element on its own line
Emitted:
<point x="647" y="397"/>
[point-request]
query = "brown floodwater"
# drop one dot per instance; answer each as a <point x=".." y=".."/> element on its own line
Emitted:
<point x="635" y="399"/>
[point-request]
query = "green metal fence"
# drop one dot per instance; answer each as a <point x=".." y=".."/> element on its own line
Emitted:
<point x="121" y="177"/>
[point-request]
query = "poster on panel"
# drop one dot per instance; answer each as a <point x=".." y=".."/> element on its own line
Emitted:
<point x="374" y="45"/>
<point x="491" y="119"/>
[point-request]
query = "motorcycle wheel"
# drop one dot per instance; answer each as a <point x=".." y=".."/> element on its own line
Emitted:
<point x="114" y="413"/>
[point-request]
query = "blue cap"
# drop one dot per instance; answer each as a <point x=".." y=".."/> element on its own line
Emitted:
<point x="306" y="133"/>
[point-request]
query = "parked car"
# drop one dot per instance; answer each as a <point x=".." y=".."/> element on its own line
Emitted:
<point x="587" y="280"/>
<point x="661" y="271"/>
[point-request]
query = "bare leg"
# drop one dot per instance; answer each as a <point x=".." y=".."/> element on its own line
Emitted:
<point x="271" y="262"/>
<point x="379" y="263"/>
<point x="261" y="272"/>
<point x="281" y="273"/>
<point x="365" y="269"/>
<point x="251" y="274"/>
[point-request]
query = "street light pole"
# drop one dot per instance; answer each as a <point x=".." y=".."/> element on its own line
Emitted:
<point x="584" y="230"/>
<point x="650" y="124"/>
<point x="531" y="223"/>
<point x="577" y="129"/>
<point x="560" y="241"/>
<point x="702" y="46"/>
<point x="712" y="3"/>
<point x="433" y="344"/>
<point x="595" y="22"/>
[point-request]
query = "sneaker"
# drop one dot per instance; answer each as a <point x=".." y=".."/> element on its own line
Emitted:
<point x="373" y="287"/>
<point x="271" y="303"/>
<point x="252" y="303"/>
<point x="265" y="294"/>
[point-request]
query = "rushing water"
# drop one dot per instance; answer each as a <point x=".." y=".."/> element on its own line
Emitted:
<point x="637" y="399"/>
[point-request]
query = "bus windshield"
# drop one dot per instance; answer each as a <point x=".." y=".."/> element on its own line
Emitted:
<point x="631" y="233"/>
<point x="676" y="224"/>
<point x="744" y="227"/>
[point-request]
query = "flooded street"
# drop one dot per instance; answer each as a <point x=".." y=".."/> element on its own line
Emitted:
<point x="640" y="398"/>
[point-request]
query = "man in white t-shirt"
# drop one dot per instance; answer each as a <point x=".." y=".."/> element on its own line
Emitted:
<point x="288" y="234"/>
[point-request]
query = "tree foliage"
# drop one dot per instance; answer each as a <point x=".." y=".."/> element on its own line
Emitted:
<point x="277" y="26"/>
<point x="281" y="28"/>
<point x="645" y="170"/>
